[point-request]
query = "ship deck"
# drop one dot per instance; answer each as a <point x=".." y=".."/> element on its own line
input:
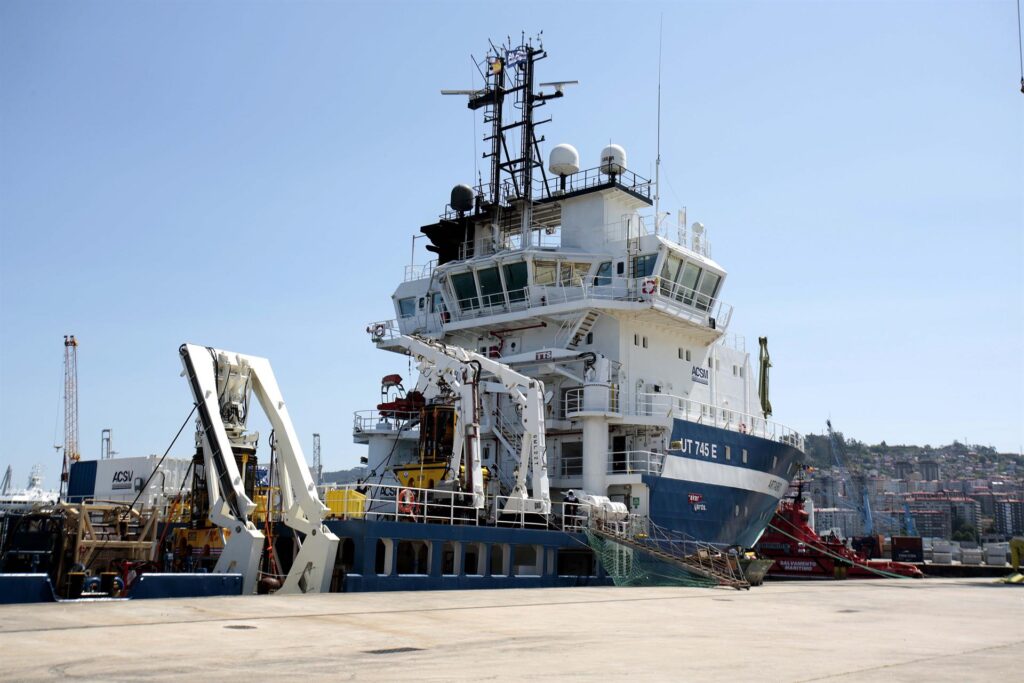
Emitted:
<point x="934" y="629"/>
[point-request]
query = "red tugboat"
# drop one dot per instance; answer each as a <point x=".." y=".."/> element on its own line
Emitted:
<point x="799" y="552"/>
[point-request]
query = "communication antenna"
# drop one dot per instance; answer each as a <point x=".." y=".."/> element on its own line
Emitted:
<point x="657" y="160"/>
<point x="1020" y="48"/>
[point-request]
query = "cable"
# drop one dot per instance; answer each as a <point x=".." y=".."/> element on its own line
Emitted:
<point x="162" y="458"/>
<point x="1020" y="48"/>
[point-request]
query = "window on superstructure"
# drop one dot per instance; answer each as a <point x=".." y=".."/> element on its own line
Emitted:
<point x="464" y="285"/>
<point x="741" y="371"/>
<point x="643" y="265"/>
<point x="645" y="342"/>
<point x="668" y="274"/>
<point x="490" y="287"/>
<point x="636" y="340"/>
<point x="604" y="274"/>
<point x="735" y="371"/>
<point x="687" y="355"/>
<point x="544" y="272"/>
<point x="744" y="456"/>
<point x="572" y="274"/>
<point x="571" y="462"/>
<point x="680" y="354"/>
<point x="436" y="302"/>
<point x="688" y="283"/>
<point x="407" y="307"/>
<point x="516" y="280"/>
<point x="728" y="453"/>
<point x="590" y="338"/>
<point x="707" y="290"/>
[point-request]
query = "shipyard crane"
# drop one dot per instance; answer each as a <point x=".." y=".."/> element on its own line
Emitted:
<point x="71" y="451"/>
<point x="460" y="370"/>
<point x="867" y="515"/>
<point x="221" y="383"/>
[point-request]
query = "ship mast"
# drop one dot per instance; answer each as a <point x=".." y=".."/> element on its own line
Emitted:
<point x="509" y="73"/>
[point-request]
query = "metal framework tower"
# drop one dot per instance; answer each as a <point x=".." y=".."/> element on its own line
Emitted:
<point x="71" y="452"/>
<point x="318" y="467"/>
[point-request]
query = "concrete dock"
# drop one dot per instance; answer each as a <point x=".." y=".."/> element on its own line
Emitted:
<point x="933" y="629"/>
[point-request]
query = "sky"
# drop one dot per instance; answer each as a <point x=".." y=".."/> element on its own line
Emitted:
<point x="249" y="175"/>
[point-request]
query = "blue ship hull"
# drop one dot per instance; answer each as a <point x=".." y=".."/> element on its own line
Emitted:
<point x="720" y="486"/>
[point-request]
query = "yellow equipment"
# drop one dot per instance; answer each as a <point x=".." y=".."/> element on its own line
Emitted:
<point x="345" y="503"/>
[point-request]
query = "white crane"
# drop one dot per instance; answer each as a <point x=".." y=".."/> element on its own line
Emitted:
<point x="221" y="383"/>
<point x="460" y="369"/>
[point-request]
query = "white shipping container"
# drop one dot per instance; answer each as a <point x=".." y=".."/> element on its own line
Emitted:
<point x="970" y="556"/>
<point x="942" y="558"/>
<point x="122" y="479"/>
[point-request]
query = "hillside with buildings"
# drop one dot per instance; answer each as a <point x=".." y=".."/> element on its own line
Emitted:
<point x="963" y="492"/>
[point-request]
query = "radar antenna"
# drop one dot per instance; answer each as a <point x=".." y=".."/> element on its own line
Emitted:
<point x="509" y="73"/>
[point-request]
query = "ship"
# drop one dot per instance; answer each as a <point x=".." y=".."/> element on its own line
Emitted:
<point x="798" y="552"/>
<point x="598" y="371"/>
<point x="14" y="501"/>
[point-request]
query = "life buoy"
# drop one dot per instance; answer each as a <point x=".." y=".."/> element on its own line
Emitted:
<point x="407" y="502"/>
<point x="743" y="428"/>
<point x="648" y="287"/>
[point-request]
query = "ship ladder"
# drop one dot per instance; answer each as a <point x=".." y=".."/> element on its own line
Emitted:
<point x="694" y="557"/>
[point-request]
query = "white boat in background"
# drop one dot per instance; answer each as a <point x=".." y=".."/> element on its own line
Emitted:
<point x="30" y="498"/>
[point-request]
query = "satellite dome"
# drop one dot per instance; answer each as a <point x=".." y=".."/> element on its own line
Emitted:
<point x="462" y="198"/>
<point x="564" y="160"/>
<point x="613" y="159"/>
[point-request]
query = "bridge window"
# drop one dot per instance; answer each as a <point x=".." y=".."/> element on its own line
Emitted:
<point x="643" y="265"/>
<point x="490" y="287"/>
<point x="669" y="272"/>
<point x="544" y="272"/>
<point x="465" y="291"/>
<point x="708" y="288"/>
<point x="407" y="307"/>
<point x="688" y="283"/>
<point x="604" y="274"/>
<point x="516" y="280"/>
<point x="572" y="274"/>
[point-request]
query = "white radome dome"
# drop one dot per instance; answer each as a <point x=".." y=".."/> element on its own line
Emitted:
<point x="564" y="160"/>
<point x="613" y="159"/>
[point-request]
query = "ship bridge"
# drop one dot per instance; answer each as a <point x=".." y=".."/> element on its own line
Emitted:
<point x="625" y="270"/>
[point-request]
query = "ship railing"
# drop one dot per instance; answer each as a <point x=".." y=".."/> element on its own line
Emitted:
<point x="416" y="271"/>
<point x="635" y="462"/>
<point x="594" y="177"/>
<point x="383" y="330"/>
<point x="392" y="503"/>
<point x="604" y="398"/>
<point x="668" y="296"/>
<point x="382" y="420"/>
<point x="600" y="397"/>
<point x="670" y="405"/>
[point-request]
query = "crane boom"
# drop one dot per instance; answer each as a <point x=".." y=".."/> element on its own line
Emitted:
<point x="221" y="382"/>
<point x="461" y="369"/>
